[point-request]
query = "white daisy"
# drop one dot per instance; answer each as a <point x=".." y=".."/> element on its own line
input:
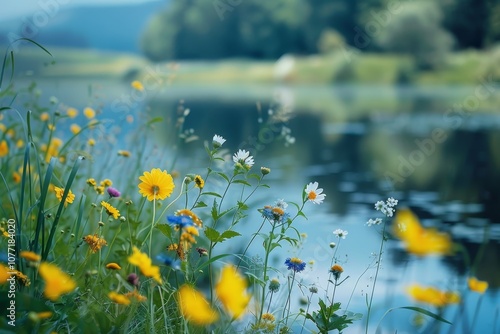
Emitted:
<point x="380" y="205"/>
<point x="340" y="233"/>
<point x="314" y="194"/>
<point x="217" y="141"/>
<point x="244" y="158"/>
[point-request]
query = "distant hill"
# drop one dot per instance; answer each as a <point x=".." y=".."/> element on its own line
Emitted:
<point x="107" y="28"/>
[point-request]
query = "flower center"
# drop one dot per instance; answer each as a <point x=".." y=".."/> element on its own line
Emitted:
<point x="311" y="195"/>
<point x="155" y="189"/>
<point x="295" y="260"/>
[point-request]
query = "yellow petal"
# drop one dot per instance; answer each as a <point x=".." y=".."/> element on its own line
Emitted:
<point x="231" y="291"/>
<point x="194" y="307"/>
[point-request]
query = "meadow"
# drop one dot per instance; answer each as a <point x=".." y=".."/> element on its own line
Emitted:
<point x="106" y="235"/>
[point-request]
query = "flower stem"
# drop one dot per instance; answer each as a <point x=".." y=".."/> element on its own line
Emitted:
<point x="266" y="259"/>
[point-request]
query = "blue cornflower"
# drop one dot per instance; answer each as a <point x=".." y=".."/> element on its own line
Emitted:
<point x="295" y="264"/>
<point x="275" y="214"/>
<point x="166" y="260"/>
<point x="180" y="221"/>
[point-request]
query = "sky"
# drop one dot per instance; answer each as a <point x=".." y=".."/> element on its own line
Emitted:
<point x="17" y="9"/>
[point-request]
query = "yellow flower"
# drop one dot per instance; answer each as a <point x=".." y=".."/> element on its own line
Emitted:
<point x="477" y="285"/>
<point x="113" y="266"/>
<point x="106" y="183"/>
<point x="72" y="112"/>
<point x="119" y="298"/>
<point x="95" y="242"/>
<point x="16" y="177"/>
<point x="190" y="214"/>
<point x="417" y="239"/>
<point x="4" y="148"/>
<point x="44" y="116"/>
<point x="19" y="143"/>
<point x="231" y="291"/>
<point x="44" y="315"/>
<point x="268" y="317"/>
<point x="57" y="282"/>
<point x="99" y="190"/>
<point x="433" y="296"/>
<point x="89" y="112"/>
<point x="156" y="185"/>
<point x="59" y="194"/>
<point x="110" y="210"/>
<point x="124" y="153"/>
<point x="91" y="182"/>
<point x="75" y="129"/>
<point x="143" y="261"/>
<point x="91" y="142"/>
<point x="199" y="182"/>
<point x="194" y="307"/>
<point x="30" y="256"/>
<point x="136" y="295"/>
<point x="137" y="85"/>
<point x="4" y="274"/>
<point x="51" y="127"/>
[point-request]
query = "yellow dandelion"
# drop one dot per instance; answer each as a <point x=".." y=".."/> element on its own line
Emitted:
<point x="199" y="182"/>
<point x="44" y="116"/>
<point x="156" y="185"/>
<point x="99" y="190"/>
<point x="91" y="182"/>
<point x="137" y="85"/>
<point x="144" y="263"/>
<point x="4" y="148"/>
<point x="231" y="291"/>
<point x="30" y="256"/>
<point x="57" y="282"/>
<point x="106" y="183"/>
<point x="477" y="285"/>
<point x="95" y="242"/>
<point x="113" y="266"/>
<point x="72" y="112"/>
<point x="59" y="194"/>
<point x="118" y="298"/>
<point x="89" y="112"/>
<point x="194" y="307"/>
<point x="75" y="129"/>
<point x="110" y="210"/>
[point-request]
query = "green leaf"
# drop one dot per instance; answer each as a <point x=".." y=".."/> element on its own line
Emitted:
<point x="242" y="206"/>
<point x="212" y="234"/>
<point x="242" y="182"/>
<point x="416" y="309"/>
<point x="214" y="210"/>
<point x="228" y="235"/>
<point x="154" y="120"/>
<point x="223" y="176"/>
<point x="200" y="204"/>
<point x="165" y="229"/>
<point x="211" y="194"/>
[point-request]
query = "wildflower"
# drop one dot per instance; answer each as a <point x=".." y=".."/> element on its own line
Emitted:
<point x="417" y="239"/>
<point x="4" y="148"/>
<point x="99" y="190"/>
<point x="217" y="141"/>
<point x="194" y="307"/>
<point x="265" y="170"/>
<point x="268" y="317"/>
<point x="231" y="291"/>
<point x="340" y="233"/>
<point x="336" y="270"/>
<point x="113" y="266"/>
<point x="295" y="264"/>
<point x="314" y="194"/>
<point x="387" y="208"/>
<point x="133" y="279"/>
<point x="187" y="237"/>
<point x="379" y="206"/>
<point x="71" y="112"/>
<point x="243" y="159"/>
<point x="35" y="317"/>
<point x="477" y="285"/>
<point x="118" y="298"/>
<point x="143" y="261"/>
<point x="136" y="295"/>
<point x="113" y="192"/>
<point x="185" y="212"/>
<point x="106" y="183"/>
<point x="123" y="219"/>
<point x="91" y="142"/>
<point x="137" y="85"/>
<point x="110" y="210"/>
<point x="59" y="194"/>
<point x="433" y="296"/>
<point x="4" y="274"/>
<point x="156" y="185"/>
<point x="57" y="282"/>
<point x="275" y="214"/>
<point x="180" y="221"/>
<point x="95" y="242"/>
<point x="30" y="256"/>
<point x="89" y="112"/>
<point x="313" y="289"/>
<point x="16" y="177"/>
<point x="274" y="285"/>
<point x="198" y="180"/>
<point x="75" y="129"/>
<point x="332" y="245"/>
<point x="391" y="202"/>
<point x="124" y="153"/>
<point x="44" y="116"/>
<point x="376" y="221"/>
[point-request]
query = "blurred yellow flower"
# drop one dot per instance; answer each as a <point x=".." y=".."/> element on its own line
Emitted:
<point x="194" y="307"/>
<point x="99" y="190"/>
<point x="91" y="182"/>
<point x="4" y="274"/>
<point x="231" y="291"/>
<point x="106" y="183"/>
<point x="136" y="295"/>
<point x="16" y="177"/>
<point x="433" y="296"/>
<point x="4" y="148"/>
<point x="57" y="282"/>
<point x="144" y="263"/>
<point x="156" y="185"/>
<point x="19" y="143"/>
<point x="44" y="315"/>
<point x="75" y="128"/>
<point x="118" y="298"/>
<point x="72" y="112"/>
<point x="89" y="112"/>
<point x="137" y="85"/>
<point x="477" y="285"/>
<point x="51" y="127"/>
<point x="95" y="242"/>
<point x="113" y="266"/>
<point x="30" y="256"/>
<point x="91" y="142"/>
<point x="417" y="239"/>
<point x="44" y="116"/>
<point x="124" y="153"/>
<point x="110" y="210"/>
<point x="59" y="194"/>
